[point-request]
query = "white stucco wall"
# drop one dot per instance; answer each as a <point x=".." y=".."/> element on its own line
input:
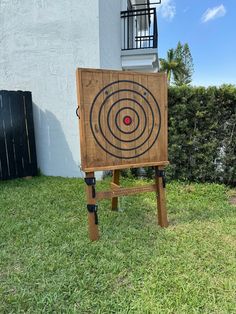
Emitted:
<point x="110" y="33"/>
<point x="42" y="42"/>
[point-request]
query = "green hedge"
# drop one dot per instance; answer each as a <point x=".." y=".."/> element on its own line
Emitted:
<point x="202" y="134"/>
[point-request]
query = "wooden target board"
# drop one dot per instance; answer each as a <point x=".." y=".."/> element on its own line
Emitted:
<point x="123" y="119"/>
<point x="123" y="124"/>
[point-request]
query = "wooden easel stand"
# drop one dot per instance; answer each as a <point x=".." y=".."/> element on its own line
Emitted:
<point x="116" y="191"/>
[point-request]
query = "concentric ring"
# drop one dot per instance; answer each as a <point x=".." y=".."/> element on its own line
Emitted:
<point x="125" y="119"/>
<point x="108" y="123"/>
<point x="105" y="135"/>
<point x="100" y="126"/>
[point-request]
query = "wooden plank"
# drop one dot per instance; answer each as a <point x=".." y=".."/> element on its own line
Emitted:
<point x="161" y="200"/>
<point x="92" y="227"/>
<point x="115" y="185"/>
<point x="114" y="77"/>
<point x="91" y="151"/>
<point x="144" y="164"/>
<point x="159" y="91"/>
<point x="80" y="112"/>
<point x="125" y="191"/>
<point x="125" y="94"/>
<point x="109" y="99"/>
<point x="165" y="91"/>
<point x="145" y="125"/>
<point x="160" y="74"/>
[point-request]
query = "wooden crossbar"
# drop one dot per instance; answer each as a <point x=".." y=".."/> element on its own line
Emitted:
<point x="119" y="191"/>
<point x="116" y="191"/>
<point x="114" y="185"/>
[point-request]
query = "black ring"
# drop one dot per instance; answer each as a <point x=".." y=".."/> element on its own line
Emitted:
<point x="100" y="127"/>
<point x="91" y="124"/>
<point x="108" y="115"/>
<point x="122" y="140"/>
<point x="99" y="122"/>
<point x="116" y="123"/>
<point x="135" y="139"/>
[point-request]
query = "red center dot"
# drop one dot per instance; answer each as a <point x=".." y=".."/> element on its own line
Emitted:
<point x="127" y="120"/>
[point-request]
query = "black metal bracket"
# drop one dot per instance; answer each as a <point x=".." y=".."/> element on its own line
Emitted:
<point x="93" y="209"/>
<point x="77" y="112"/>
<point x="162" y="174"/>
<point x="91" y="182"/>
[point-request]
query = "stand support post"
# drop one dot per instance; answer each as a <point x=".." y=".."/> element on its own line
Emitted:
<point x="91" y="206"/>
<point x="161" y="198"/>
<point x="116" y="180"/>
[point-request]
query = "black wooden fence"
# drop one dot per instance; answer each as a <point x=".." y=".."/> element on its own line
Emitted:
<point x="17" y="143"/>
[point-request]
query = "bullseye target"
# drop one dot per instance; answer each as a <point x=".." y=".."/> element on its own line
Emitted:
<point x="123" y="119"/>
<point x="122" y="134"/>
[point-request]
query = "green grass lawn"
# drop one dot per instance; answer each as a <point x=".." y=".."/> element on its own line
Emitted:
<point x="48" y="265"/>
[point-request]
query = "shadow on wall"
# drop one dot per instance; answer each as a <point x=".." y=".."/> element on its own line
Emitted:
<point x="53" y="152"/>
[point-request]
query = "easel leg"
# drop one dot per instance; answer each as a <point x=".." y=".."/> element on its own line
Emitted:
<point x="161" y="199"/>
<point x="116" y="180"/>
<point x="91" y="200"/>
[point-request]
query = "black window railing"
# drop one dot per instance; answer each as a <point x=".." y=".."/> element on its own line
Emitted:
<point x="139" y="29"/>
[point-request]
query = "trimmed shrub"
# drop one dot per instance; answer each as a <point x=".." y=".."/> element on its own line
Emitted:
<point x="202" y="134"/>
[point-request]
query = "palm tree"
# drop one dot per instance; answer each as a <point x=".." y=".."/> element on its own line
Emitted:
<point x="172" y="65"/>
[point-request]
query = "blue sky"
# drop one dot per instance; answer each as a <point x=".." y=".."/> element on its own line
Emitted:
<point x="209" y="27"/>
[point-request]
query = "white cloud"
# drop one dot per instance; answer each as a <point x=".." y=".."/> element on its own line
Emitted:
<point x="167" y="9"/>
<point x="213" y="13"/>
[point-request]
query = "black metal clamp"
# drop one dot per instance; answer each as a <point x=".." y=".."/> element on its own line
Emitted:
<point x="91" y="182"/>
<point x="93" y="209"/>
<point x="162" y="174"/>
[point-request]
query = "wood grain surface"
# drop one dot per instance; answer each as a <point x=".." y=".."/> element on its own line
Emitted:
<point x="123" y="119"/>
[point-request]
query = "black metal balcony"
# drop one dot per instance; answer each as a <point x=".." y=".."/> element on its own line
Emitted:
<point x="139" y="29"/>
